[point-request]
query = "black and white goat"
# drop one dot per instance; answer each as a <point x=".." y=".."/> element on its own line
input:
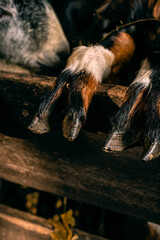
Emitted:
<point x="31" y="37"/>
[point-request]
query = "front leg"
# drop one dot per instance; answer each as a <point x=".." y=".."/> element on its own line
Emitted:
<point x="82" y="89"/>
<point x="152" y="125"/>
<point x="88" y="65"/>
<point x="142" y="99"/>
<point x="123" y="133"/>
<point x="86" y="68"/>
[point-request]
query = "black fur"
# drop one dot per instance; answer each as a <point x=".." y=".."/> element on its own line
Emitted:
<point x="47" y="104"/>
<point x="120" y="119"/>
<point x="26" y="40"/>
<point x="152" y="130"/>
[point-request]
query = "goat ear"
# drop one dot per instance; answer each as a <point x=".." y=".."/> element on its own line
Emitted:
<point x="156" y="10"/>
<point x="101" y="10"/>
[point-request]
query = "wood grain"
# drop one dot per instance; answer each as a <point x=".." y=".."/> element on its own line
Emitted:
<point x="81" y="171"/>
<point x="18" y="225"/>
<point x="21" y="94"/>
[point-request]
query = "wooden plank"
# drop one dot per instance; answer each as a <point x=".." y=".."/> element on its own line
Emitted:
<point x="21" y="96"/>
<point x="18" y="225"/>
<point x="81" y="171"/>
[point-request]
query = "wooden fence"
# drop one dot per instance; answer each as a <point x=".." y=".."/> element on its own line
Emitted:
<point x="79" y="170"/>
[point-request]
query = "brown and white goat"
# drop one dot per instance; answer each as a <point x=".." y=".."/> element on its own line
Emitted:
<point x="123" y="49"/>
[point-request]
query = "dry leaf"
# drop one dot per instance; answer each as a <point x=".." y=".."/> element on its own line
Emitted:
<point x="63" y="226"/>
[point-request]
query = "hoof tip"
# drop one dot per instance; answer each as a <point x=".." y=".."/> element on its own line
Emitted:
<point x="71" y="128"/>
<point x="151" y="151"/>
<point x="39" y="126"/>
<point x="114" y="142"/>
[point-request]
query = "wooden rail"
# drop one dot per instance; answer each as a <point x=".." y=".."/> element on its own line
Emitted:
<point x="18" y="225"/>
<point x="79" y="170"/>
<point x="22" y="94"/>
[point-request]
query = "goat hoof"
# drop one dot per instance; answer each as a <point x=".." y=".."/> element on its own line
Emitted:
<point x="119" y="140"/>
<point x="151" y="150"/>
<point x="39" y="126"/>
<point x="71" y="128"/>
<point x="114" y="142"/>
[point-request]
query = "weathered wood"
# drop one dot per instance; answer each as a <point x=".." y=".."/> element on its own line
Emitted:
<point x="18" y="225"/>
<point x="22" y="94"/>
<point x="81" y="171"/>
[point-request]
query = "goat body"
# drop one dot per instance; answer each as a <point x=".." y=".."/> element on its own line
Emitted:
<point x="117" y="56"/>
<point x="35" y="40"/>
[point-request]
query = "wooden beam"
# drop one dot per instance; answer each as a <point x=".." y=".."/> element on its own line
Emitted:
<point x="21" y="95"/>
<point x="81" y="171"/>
<point x="18" y="225"/>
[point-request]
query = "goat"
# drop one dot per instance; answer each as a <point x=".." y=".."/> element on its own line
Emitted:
<point x="88" y="66"/>
<point x="32" y="39"/>
<point x="37" y="43"/>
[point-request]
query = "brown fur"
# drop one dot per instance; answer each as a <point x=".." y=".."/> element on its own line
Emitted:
<point x="151" y="3"/>
<point x="123" y="49"/>
<point x="135" y="106"/>
<point x="87" y="88"/>
<point x="88" y="91"/>
<point x="156" y="10"/>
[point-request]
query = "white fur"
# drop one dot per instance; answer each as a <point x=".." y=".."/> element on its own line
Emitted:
<point x="143" y="76"/>
<point x="95" y="60"/>
<point x="57" y="41"/>
<point x="31" y="55"/>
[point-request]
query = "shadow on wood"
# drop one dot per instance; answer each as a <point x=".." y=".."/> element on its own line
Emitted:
<point x="18" y="225"/>
<point x="79" y="170"/>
